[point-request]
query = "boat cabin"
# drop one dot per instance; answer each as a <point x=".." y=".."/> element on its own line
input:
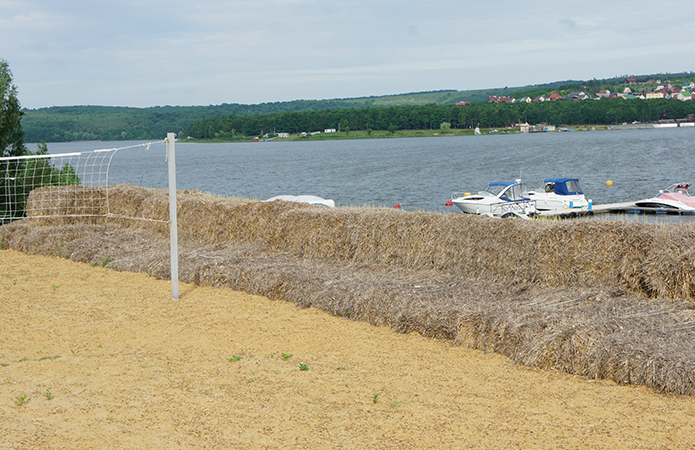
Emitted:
<point x="563" y="186"/>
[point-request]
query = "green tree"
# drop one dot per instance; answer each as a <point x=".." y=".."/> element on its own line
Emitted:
<point x="11" y="134"/>
<point x="23" y="176"/>
<point x="11" y="139"/>
<point x="445" y="127"/>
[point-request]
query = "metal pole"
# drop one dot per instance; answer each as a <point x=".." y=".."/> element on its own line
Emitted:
<point x="173" y="226"/>
<point x="9" y="196"/>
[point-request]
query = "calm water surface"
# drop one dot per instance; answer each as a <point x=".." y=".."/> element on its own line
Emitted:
<point x="417" y="173"/>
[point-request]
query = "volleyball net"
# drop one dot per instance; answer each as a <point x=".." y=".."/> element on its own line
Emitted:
<point x="64" y="185"/>
<point x="44" y="185"/>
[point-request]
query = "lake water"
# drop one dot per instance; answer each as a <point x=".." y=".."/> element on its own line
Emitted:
<point x="417" y="173"/>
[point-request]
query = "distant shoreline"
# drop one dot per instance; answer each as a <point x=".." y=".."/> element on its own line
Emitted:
<point x="383" y="134"/>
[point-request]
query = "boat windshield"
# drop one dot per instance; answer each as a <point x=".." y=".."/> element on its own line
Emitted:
<point x="515" y="192"/>
<point x="496" y="188"/>
<point x="572" y="187"/>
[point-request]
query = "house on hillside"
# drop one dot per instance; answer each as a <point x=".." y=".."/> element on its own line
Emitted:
<point x="650" y="94"/>
<point x="504" y="99"/>
<point x="689" y="85"/>
<point x="630" y="81"/>
<point x="603" y="93"/>
<point x="683" y="95"/>
<point x="554" y="96"/>
<point x="663" y="86"/>
<point x="580" y="95"/>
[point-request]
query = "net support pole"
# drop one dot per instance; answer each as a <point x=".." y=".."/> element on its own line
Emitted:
<point x="173" y="225"/>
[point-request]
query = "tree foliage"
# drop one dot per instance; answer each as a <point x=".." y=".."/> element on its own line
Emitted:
<point x="21" y="176"/>
<point x="111" y="123"/>
<point x="11" y="134"/>
<point x="483" y="114"/>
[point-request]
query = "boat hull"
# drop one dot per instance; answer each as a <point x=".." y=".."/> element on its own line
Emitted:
<point x="311" y="199"/>
<point x="676" y="197"/>
<point x="494" y="208"/>
<point x="499" y="199"/>
<point x="550" y="201"/>
<point x="559" y="193"/>
<point x="664" y="203"/>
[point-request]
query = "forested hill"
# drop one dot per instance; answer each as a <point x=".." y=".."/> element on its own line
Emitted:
<point x="107" y="123"/>
<point x="78" y="123"/>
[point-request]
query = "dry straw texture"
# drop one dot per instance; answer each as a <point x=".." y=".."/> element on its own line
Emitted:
<point x="600" y="299"/>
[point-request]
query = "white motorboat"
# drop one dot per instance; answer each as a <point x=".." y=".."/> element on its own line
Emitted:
<point x="311" y="199"/>
<point x="559" y="193"/>
<point x="675" y="197"/>
<point x="498" y="199"/>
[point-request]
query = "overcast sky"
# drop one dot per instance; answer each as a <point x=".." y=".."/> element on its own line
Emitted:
<point x="170" y="52"/>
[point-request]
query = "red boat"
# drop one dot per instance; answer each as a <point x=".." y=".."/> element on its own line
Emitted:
<point x="674" y="197"/>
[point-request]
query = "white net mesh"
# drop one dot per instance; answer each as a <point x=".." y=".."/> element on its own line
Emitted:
<point x="63" y="185"/>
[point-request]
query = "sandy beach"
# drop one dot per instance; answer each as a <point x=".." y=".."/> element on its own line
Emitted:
<point x="95" y="358"/>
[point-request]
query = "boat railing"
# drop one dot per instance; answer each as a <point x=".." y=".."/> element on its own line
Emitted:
<point x="679" y="188"/>
<point x="518" y="206"/>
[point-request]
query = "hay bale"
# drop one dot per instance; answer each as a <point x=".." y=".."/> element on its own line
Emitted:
<point x="54" y="201"/>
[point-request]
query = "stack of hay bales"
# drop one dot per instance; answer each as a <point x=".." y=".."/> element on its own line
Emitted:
<point x="653" y="259"/>
<point x="595" y="298"/>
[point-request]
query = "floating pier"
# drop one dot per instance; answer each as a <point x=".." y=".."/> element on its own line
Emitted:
<point x="610" y="208"/>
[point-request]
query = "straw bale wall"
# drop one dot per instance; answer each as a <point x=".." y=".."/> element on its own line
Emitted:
<point x="600" y="299"/>
<point x="656" y="260"/>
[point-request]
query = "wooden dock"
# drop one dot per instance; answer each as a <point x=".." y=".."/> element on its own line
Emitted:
<point x="614" y="208"/>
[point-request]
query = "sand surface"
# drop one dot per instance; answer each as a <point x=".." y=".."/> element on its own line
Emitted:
<point x="94" y="358"/>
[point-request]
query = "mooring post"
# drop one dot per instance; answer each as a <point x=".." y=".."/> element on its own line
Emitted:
<point x="173" y="226"/>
